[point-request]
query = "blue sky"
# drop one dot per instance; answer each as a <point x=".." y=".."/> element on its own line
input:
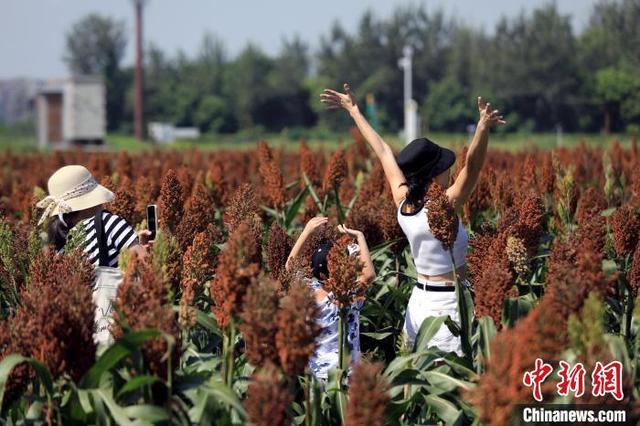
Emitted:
<point x="33" y="31"/>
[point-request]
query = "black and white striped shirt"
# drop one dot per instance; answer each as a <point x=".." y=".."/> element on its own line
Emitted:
<point x="119" y="235"/>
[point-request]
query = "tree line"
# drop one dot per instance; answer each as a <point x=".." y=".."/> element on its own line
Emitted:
<point x="535" y="66"/>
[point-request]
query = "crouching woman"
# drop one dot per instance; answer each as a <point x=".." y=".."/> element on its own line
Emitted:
<point x="327" y="354"/>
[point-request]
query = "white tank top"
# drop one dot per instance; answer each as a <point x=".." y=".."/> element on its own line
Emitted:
<point x="427" y="251"/>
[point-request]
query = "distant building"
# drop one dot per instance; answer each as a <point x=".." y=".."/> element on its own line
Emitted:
<point x="71" y="111"/>
<point x="17" y="100"/>
<point x="167" y="132"/>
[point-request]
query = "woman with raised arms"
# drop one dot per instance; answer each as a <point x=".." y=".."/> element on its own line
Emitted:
<point x="410" y="174"/>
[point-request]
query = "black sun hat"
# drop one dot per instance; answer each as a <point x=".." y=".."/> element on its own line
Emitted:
<point x="423" y="157"/>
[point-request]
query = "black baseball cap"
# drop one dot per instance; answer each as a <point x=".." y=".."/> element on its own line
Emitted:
<point x="423" y="157"/>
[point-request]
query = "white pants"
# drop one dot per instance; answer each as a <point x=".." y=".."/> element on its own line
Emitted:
<point x="423" y="304"/>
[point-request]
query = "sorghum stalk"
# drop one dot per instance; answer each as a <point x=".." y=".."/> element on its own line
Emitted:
<point x="228" y="353"/>
<point x="629" y="306"/>
<point x="314" y="195"/>
<point x="316" y="400"/>
<point x="169" y="380"/>
<point x="620" y="289"/>
<point x="342" y="353"/>
<point x="307" y="399"/>
<point x="629" y="312"/>
<point x="462" y="308"/>
<point x="341" y="215"/>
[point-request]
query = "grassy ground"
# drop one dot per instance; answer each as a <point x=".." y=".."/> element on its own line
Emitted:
<point x="20" y="141"/>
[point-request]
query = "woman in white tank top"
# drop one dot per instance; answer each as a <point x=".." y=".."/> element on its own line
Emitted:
<point x="418" y="165"/>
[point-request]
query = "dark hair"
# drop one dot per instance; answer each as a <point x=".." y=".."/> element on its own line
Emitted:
<point x="319" y="266"/>
<point x="57" y="231"/>
<point x="416" y="190"/>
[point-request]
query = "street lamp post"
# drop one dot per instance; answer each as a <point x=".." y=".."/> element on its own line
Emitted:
<point x="139" y="75"/>
<point x="410" y="107"/>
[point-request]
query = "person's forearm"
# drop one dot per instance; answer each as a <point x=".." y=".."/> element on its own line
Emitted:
<point x="368" y="272"/>
<point x="370" y="135"/>
<point x="478" y="149"/>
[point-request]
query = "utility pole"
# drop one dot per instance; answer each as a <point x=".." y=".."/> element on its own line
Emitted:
<point x="410" y="106"/>
<point x="139" y="75"/>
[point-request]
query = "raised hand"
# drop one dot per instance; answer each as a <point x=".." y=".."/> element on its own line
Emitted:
<point x="354" y="232"/>
<point x="314" y="224"/>
<point x="488" y="117"/>
<point x="335" y="100"/>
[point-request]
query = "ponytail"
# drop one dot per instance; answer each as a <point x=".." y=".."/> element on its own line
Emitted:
<point x="416" y="191"/>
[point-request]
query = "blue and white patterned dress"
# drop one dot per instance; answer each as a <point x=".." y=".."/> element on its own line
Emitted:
<point x="326" y="357"/>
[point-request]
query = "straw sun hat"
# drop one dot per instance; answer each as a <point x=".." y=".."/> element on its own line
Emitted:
<point x="72" y="188"/>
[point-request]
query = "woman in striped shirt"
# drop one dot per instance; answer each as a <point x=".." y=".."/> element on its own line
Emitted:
<point x="119" y="235"/>
<point x="75" y="200"/>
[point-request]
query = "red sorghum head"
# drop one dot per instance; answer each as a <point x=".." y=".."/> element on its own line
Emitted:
<point x="242" y="205"/>
<point x="54" y="321"/>
<point x="279" y="246"/>
<point x="198" y="215"/>
<point x="442" y="217"/>
<point x="268" y="398"/>
<point x="297" y="329"/>
<point x="335" y="172"/>
<point x="170" y="203"/>
<point x="344" y="275"/>
<point x="143" y="303"/>
<point x="368" y="396"/>
<point x="626" y="227"/>
<point x="310" y="165"/>
<point x="513" y="352"/>
<point x="591" y="203"/>
<point x="198" y="262"/>
<point x="124" y="202"/>
<point x="238" y="267"/>
<point x="271" y="181"/>
<point x="492" y="289"/>
<point x="260" y="307"/>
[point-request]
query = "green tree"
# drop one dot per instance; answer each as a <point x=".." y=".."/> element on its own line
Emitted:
<point x="609" y="48"/>
<point x="199" y="87"/>
<point x="160" y="79"/>
<point x="368" y="59"/>
<point x="618" y="91"/>
<point x="96" y="45"/>
<point x="190" y="91"/>
<point x="212" y="114"/>
<point x="531" y="65"/>
<point x="288" y="103"/>
<point x="448" y="107"/>
<point x="612" y="35"/>
<point x="246" y="85"/>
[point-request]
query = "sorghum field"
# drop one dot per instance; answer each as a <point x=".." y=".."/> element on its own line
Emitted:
<point x="214" y="329"/>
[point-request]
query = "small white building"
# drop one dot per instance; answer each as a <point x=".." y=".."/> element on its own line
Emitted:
<point x="166" y="132"/>
<point x="71" y="111"/>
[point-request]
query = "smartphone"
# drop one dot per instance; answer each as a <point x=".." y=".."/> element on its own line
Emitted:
<point x="152" y="220"/>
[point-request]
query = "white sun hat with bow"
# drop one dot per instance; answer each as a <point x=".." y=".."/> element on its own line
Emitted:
<point x="72" y="188"/>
